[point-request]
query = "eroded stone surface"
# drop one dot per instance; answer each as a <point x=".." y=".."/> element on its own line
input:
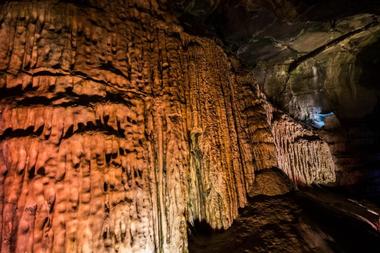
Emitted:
<point x="279" y="140"/>
<point x="271" y="182"/>
<point x="117" y="129"/>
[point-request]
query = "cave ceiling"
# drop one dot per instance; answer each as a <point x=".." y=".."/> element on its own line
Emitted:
<point x="306" y="55"/>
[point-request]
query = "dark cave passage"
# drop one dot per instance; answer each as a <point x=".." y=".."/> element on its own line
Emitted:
<point x="360" y="129"/>
<point x="289" y="223"/>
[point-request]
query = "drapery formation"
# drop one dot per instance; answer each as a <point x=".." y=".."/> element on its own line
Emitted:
<point x="117" y="129"/>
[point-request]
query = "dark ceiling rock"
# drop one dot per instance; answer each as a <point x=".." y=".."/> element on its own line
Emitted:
<point x="297" y="49"/>
<point x="320" y="71"/>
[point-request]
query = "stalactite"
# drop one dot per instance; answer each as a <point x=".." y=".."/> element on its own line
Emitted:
<point x="302" y="154"/>
<point x="279" y="141"/>
<point x="115" y="133"/>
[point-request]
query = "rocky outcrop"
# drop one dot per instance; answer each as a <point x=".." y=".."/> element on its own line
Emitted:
<point x="311" y="221"/>
<point x="302" y="154"/>
<point x="271" y="182"/>
<point x="277" y="224"/>
<point x="116" y="132"/>
<point x="277" y="140"/>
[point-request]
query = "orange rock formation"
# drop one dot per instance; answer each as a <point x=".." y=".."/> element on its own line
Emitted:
<point x="117" y="129"/>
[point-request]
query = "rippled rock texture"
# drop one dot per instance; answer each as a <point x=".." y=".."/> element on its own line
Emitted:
<point x="117" y="129"/>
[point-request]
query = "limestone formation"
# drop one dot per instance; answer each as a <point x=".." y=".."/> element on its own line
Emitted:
<point x="279" y="141"/>
<point x="317" y="61"/>
<point x="302" y="154"/>
<point x="117" y="129"/>
<point x="271" y="182"/>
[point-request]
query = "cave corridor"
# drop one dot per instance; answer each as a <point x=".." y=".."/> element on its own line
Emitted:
<point x="193" y="126"/>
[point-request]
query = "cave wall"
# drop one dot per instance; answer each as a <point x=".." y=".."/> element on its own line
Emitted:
<point x="315" y="60"/>
<point x="277" y="140"/>
<point x="328" y="81"/>
<point x="117" y="129"/>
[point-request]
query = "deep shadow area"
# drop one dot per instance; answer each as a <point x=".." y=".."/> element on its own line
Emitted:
<point x="368" y="60"/>
<point x="200" y="228"/>
<point x="348" y="233"/>
<point x="288" y="223"/>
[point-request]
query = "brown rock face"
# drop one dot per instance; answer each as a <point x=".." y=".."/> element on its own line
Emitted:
<point x="276" y="140"/>
<point x="271" y="182"/>
<point x="117" y="128"/>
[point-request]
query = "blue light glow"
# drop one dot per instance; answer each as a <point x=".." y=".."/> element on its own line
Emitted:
<point x="318" y="118"/>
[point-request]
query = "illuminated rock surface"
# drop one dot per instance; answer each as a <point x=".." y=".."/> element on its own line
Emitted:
<point x="118" y="129"/>
<point x="317" y="61"/>
<point x="271" y="182"/>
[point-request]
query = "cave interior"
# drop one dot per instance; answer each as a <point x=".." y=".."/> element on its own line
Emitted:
<point x="189" y="126"/>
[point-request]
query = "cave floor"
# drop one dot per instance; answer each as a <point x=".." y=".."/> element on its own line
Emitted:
<point x="294" y="222"/>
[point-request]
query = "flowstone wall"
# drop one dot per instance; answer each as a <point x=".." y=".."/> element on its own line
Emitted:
<point x="117" y="129"/>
